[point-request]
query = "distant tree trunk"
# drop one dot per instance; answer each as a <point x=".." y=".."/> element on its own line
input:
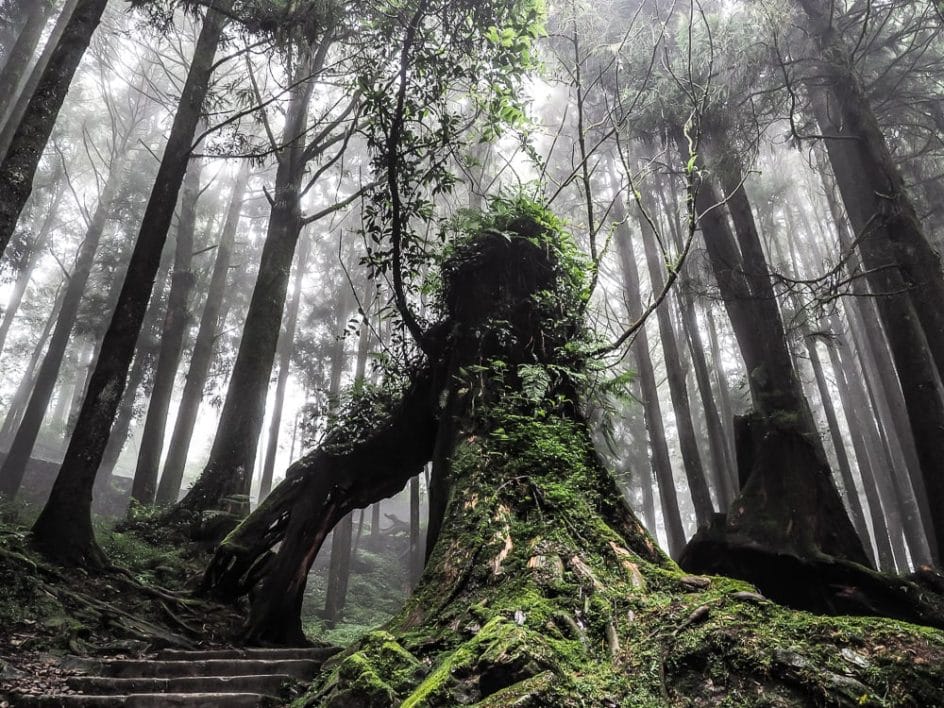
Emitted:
<point x="641" y="471"/>
<point x="202" y="356"/>
<point x="339" y="567"/>
<point x="842" y="458"/>
<point x="176" y="321"/>
<point x="375" y="524"/>
<point x="21" y="54"/>
<point x="14" y="467"/>
<point x="63" y="530"/>
<point x="416" y="555"/>
<point x="724" y="396"/>
<point x="661" y="462"/>
<point x="865" y="443"/>
<point x="59" y="415"/>
<point x="678" y="390"/>
<point x="788" y="502"/>
<point x="36" y="250"/>
<point x="33" y="130"/>
<point x="228" y="472"/>
<point x="23" y="390"/>
<point x="145" y="352"/>
<point x="286" y="349"/>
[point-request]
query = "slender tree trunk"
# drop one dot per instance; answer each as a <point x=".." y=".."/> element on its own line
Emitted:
<point x="23" y="390"/>
<point x="33" y="130"/>
<point x="176" y="323"/>
<point x="145" y="353"/>
<point x="286" y="349"/>
<point x="202" y="356"/>
<point x="36" y="250"/>
<point x="14" y="467"/>
<point x="64" y="529"/>
<point x="724" y="397"/>
<point x="21" y="55"/>
<point x="688" y="440"/>
<point x="661" y="462"/>
<point x="416" y="556"/>
<point x="864" y="440"/>
<point x="339" y="567"/>
<point x="228" y="472"/>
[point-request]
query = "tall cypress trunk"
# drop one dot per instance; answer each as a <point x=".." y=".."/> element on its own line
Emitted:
<point x="21" y="54"/>
<point x="416" y="555"/>
<point x="14" y="467"/>
<point x="64" y="527"/>
<point x="873" y="191"/>
<point x="228" y="472"/>
<point x="661" y="462"/>
<point x="678" y="390"/>
<point x="176" y="321"/>
<point x="286" y="348"/>
<point x="32" y="131"/>
<point x="202" y="356"/>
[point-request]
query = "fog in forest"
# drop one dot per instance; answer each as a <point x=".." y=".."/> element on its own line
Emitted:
<point x="238" y="359"/>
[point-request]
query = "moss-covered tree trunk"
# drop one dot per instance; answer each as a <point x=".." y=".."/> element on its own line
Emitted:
<point x="542" y="587"/>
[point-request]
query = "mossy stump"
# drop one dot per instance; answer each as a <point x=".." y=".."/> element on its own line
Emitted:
<point x="542" y="588"/>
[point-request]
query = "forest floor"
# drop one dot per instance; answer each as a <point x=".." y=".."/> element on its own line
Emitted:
<point x="54" y="617"/>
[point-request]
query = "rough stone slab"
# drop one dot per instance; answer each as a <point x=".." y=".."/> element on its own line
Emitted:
<point x="152" y="700"/>
<point x="302" y="669"/>
<point x="313" y="653"/>
<point x="109" y="685"/>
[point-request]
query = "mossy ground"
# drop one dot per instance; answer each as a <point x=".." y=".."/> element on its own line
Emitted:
<point x="48" y="612"/>
<point x="541" y="592"/>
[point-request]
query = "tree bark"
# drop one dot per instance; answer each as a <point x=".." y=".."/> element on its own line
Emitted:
<point x="168" y="489"/>
<point x="63" y="530"/>
<point x="33" y="129"/>
<point x="176" y="322"/>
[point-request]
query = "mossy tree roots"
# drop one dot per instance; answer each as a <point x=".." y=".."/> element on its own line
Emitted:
<point x="542" y="588"/>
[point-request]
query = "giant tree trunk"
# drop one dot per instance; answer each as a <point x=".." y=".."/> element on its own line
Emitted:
<point x="176" y="321"/>
<point x="228" y="472"/>
<point x="543" y="588"/>
<point x="33" y="130"/>
<point x="64" y="527"/>
<point x="202" y="356"/>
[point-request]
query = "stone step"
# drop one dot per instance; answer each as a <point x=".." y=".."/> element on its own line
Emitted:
<point x="152" y="700"/>
<point x="302" y="669"/>
<point x="314" y="653"/>
<point x="109" y="685"/>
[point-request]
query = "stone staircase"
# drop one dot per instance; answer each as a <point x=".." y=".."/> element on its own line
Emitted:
<point x="234" y="678"/>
